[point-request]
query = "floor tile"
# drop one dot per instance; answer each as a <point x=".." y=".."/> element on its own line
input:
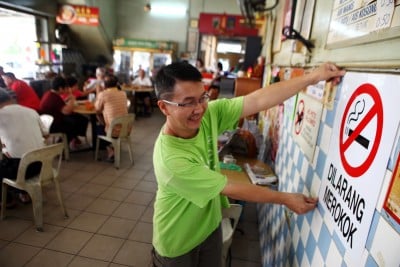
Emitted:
<point x="79" y="261"/>
<point x="11" y="228"/>
<point x="141" y="198"/>
<point x="78" y="202"/>
<point x="114" y="193"/>
<point x="134" y="254"/>
<point x="126" y="182"/>
<point x="102" y="247"/>
<point x="146" y="186"/>
<point x="104" y="179"/>
<point x="15" y="254"/>
<point x="93" y="190"/>
<point x="39" y="239"/>
<point x="129" y="211"/>
<point x="70" y="241"/>
<point x="56" y="217"/>
<point x="87" y="221"/>
<point x="143" y="232"/>
<point x="103" y="206"/>
<point x="117" y="227"/>
<point x="50" y="258"/>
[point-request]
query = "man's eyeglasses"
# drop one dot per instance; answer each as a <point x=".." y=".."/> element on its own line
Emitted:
<point x="202" y="100"/>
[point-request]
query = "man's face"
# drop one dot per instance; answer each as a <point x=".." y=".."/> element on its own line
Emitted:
<point x="184" y="121"/>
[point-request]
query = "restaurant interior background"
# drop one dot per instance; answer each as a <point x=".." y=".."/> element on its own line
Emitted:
<point x="125" y="32"/>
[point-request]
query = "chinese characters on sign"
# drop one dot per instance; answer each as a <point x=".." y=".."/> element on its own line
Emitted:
<point x="75" y="14"/>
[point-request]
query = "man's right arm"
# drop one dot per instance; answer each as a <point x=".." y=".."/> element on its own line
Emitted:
<point x="296" y="202"/>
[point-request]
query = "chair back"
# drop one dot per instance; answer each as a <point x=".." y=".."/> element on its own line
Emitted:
<point x="44" y="155"/>
<point x="124" y="123"/>
<point x="47" y="120"/>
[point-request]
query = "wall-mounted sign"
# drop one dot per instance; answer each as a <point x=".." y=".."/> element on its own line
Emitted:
<point x="362" y="137"/>
<point x="306" y="123"/>
<point x="225" y="24"/>
<point x="145" y="44"/>
<point x="353" y="22"/>
<point x="75" y="14"/>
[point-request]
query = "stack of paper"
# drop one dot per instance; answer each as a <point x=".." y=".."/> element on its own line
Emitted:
<point x="260" y="177"/>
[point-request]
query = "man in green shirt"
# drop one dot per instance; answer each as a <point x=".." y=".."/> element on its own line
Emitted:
<point x="191" y="189"/>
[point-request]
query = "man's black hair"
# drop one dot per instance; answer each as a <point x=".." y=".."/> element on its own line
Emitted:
<point x="110" y="81"/>
<point x="58" y="82"/>
<point x="71" y="81"/>
<point x="167" y="77"/>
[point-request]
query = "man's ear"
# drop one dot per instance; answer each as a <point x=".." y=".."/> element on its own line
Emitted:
<point x="163" y="107"/>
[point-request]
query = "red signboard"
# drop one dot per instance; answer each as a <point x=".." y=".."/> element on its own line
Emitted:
<point x="225" y="25"/>
<point x="75" y="14"/>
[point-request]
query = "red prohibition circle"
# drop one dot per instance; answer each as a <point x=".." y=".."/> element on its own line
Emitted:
<point x="299" y="117"/>
<point x="376" y="110"/>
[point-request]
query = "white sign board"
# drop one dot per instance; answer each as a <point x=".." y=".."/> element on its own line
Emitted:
<point x="306" y="123"/>
<point x="362" y="138"/>
<point x="352" y="19"/>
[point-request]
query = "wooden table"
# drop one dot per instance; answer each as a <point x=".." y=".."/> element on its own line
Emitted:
<point x="241" y="176"/>
<point x="82" y="109"/>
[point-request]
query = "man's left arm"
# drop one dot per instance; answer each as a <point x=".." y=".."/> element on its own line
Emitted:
<point x="276" y="93"/>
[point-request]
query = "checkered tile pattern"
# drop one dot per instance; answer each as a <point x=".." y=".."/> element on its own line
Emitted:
<point x="291" y="240"/>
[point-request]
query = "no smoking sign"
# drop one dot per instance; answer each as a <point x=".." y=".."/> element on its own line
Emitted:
<point x="361" y="130"/>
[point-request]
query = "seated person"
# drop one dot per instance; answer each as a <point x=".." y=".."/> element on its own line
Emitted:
<point x="17" y="139"/>
<point x="143" y="80"/>
<point x="94" y="85"/>
<point x="213" y="92"/>
<point x="26" y="95"/>
<point x="65" y="121"/>
<point x="72" y="88"/>
<point x="109" y="104"/>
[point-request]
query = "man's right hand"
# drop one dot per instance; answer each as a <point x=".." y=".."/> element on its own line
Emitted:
<point x="300" y="203"/>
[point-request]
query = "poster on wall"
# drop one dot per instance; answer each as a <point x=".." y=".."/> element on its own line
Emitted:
<point x="363" y="132"/>
<point x="78" y="15"/>
<point x="306" y="123"/>
<point x="353" y="22"/>
<point x="287" y="74"/>
<point x="392" y="201"/>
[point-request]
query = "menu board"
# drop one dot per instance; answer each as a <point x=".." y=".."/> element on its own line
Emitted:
<point x="361" y="21"/>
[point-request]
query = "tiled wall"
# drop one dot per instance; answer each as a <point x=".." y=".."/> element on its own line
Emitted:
<point x="287" y="239"/>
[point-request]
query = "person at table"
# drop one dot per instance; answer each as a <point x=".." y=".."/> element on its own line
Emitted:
<point x="73" y="88"/>
<point x="109" y="104"/>
<point x="21" y="130"/>
<point x="191" y="189"/>
<point x="65" y="121"/>
<point x="26" y="95"/>
<point x="97" y="84"/>
<point x="143" y="80"/>
<point x="213" y="91"/>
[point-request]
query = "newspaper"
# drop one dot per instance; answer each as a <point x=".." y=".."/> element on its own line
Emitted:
<point x="260" y="176"/>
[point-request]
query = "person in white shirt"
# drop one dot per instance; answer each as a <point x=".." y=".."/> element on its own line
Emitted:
<point x="95" y="85"/>
<point x="21" y="130"/>
<point x="143" y="80"/>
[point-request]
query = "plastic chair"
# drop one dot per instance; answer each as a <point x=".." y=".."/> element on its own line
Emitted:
<point x="230" y="219"/>
<point x="126" y="123"/>
<point x="51" y="138"/>
<point x="33" y="186"/>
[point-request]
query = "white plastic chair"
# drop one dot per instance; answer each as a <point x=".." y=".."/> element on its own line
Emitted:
<point x="51" y="138"/>
<point x="126" y="124"/>
<point x="33" y="186"/>
<point x="230" y="219"/>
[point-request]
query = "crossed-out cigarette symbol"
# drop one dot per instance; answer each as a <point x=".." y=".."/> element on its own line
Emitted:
<point x="354" y="116"/>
